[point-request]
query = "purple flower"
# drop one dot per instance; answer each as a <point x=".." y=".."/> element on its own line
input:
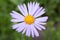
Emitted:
<point x="30" y="22"/>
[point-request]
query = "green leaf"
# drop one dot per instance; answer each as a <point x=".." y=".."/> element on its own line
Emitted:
<point x="17" y="1"/>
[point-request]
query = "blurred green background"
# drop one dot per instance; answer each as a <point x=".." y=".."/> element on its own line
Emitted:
<point x="52" y="11"/>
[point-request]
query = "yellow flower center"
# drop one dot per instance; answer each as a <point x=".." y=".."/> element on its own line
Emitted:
<point x="29" y="19"/>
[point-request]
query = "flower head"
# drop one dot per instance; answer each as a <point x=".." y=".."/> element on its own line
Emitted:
<point x="30" y="20"/>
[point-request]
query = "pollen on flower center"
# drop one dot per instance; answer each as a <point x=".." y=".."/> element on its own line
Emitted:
<point x="29" y="19"/>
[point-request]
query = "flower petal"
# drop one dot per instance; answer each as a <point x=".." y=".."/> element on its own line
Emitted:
<point x="21" y="27"/>
<point x="42" y="19"/>
<point x="38" y="27"/>
<point x="16" y="20"/>
<point x="35" y="7"/>
<point x="16" y="25"/>
<point x="35" y="31"/>
<point x="41" y="26"/>
<point x="32" y="7"/>
<point x="24" y="30"/>
<point x="16" y="15"/>
<point x="42" y="23"/>
<point x="39" y="12"/>
<point x="32" y="31"/>
<point x="28" y="30"/>
<point x="23" y="9"/>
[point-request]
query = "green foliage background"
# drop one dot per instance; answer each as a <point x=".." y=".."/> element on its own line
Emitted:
<point x="52" y="11"/>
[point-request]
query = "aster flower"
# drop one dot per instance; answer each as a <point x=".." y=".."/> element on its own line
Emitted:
<point x="30" y="21"/>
